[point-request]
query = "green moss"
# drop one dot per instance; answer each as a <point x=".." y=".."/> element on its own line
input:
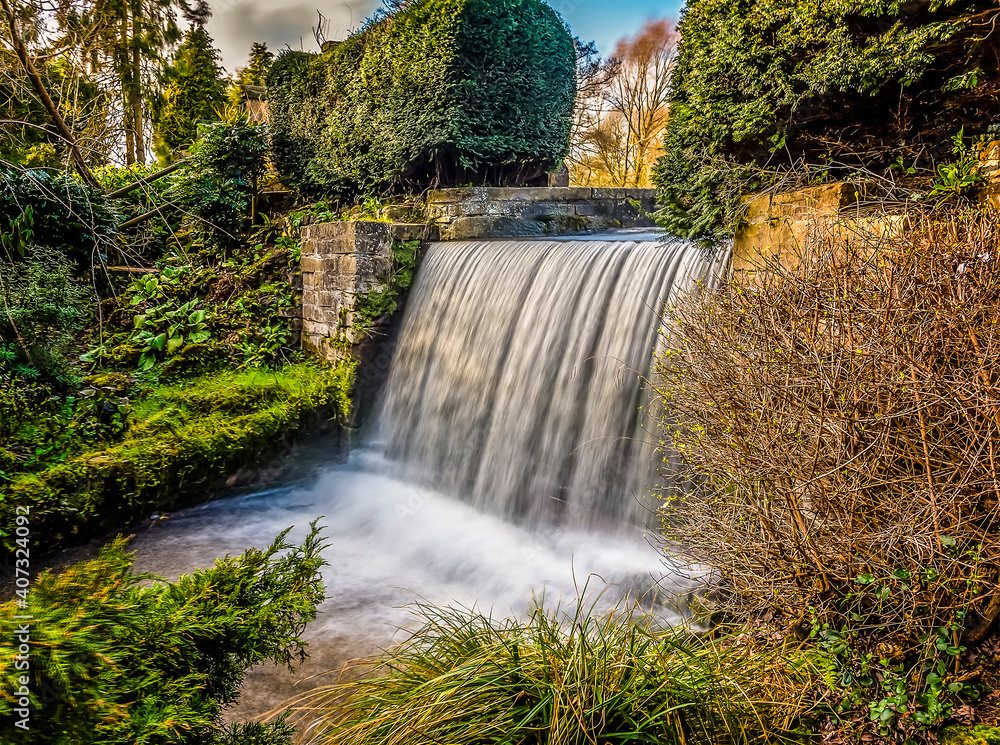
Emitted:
<point x="382" y="301"/>
<point x="978" y="735"/>
<point x="185" y="440"/>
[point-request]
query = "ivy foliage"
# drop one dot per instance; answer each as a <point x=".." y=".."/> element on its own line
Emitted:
<point x="383" y="300"/>
<point x="116" y="660"/>
<point x="441" y="92"/>
<point x="764" y="85"/>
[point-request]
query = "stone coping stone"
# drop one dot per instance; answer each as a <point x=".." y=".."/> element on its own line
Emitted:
<point x="534" y="194"/>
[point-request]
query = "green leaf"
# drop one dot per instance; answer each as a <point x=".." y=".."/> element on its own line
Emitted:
<point x="146" y="361"/>
<point x="159" y="342"/>
<point x="174" y="343"/>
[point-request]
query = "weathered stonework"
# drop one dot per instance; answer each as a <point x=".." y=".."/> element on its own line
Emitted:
<point x="776" y="226"/>
<point x="525" y="212"/>
<point x="340" y="260"/>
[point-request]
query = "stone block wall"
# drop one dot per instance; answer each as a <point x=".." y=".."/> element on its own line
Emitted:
<point x="340" y="260"/>
<point x="525" y="212"/>
<point x="775" y="226"/>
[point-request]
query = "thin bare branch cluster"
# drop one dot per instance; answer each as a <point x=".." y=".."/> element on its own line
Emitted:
<point x="622" y="109"/>
<point x="839" y="409"/>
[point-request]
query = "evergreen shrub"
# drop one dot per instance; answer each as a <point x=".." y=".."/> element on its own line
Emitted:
<point x="69" y="216"/>
<point x="765" y="85"/>
<point x="442" y="92"/>
<point x="220" y="178"/>
<point x="117" y="659"/>
<point x="43" y="306"/>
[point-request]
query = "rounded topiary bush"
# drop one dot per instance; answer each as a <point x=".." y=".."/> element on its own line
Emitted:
<point x="443" y="92"/>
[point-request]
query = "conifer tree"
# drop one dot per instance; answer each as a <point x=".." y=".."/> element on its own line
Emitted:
<point x="255" y="73"/>
<point x="193" y="92"/>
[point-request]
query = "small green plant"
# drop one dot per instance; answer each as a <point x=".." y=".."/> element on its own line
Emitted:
<point x="270" y="340"/>
<point x="20" y="237"/>
<point x="383" y="300"/>
<point x="893" y="687"/>
<point x="958" y="178"/>
<point x="166" y="330"/>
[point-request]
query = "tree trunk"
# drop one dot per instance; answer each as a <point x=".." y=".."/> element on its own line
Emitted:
<point x="36" y="81"/>
<point x="135" y="85"/>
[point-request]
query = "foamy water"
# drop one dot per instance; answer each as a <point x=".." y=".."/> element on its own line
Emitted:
<point x="392" y="544"/>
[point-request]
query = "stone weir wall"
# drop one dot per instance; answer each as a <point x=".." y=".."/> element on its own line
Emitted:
<point x="343" y="261"/>
<point x="482" y="212"/>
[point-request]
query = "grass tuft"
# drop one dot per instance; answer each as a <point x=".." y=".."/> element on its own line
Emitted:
<point x="466" y="678"/>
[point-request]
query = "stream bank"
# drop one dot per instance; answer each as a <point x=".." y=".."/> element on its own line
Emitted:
<point x="185" y="441"/>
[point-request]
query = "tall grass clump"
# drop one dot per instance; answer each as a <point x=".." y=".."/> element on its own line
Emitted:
<point x="467" y="678"/>
<point x="838" y="411"/>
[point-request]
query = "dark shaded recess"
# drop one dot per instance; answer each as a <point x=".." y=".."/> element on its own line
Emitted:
<point x="374" y="354"/>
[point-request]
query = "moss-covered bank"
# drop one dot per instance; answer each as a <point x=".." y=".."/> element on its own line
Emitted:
<point x="185" y="439"/>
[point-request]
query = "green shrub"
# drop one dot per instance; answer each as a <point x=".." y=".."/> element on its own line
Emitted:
<point x="466" y="678"/>
<point x="443" y="92"/>
<point x="771" y="84"/>
<point x="220" y="178"/>
<point x="69" y="216"/>
<point x="116" y="660"/>
<point x="43" y="306"/>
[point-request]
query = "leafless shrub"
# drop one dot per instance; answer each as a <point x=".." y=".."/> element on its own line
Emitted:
<point x="839" y="409"/>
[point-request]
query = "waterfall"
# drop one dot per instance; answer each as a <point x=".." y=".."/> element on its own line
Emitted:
<point x="515" y="386"/>
<point x="518" y="378"/>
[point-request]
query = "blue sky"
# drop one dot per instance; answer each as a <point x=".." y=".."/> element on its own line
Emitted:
<point x="606" y="21"/>
<point x="235" y="24"/>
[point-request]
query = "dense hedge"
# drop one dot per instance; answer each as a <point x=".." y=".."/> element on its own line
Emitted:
<point x="443" y="92"/>
<point x="849" y="83"/>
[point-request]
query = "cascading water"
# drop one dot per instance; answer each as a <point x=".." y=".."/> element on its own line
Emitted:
<point x="517" y="381"/>
<point x="515" y="390"/>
